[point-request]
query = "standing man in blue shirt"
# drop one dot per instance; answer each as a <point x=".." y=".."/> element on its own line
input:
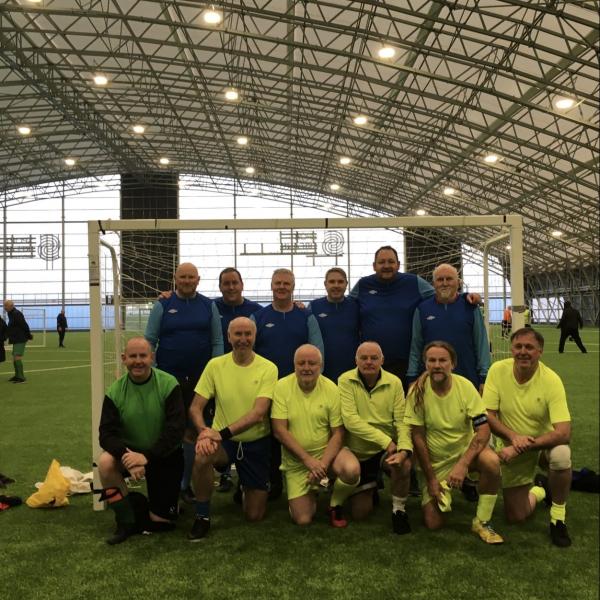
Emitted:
<point x="449" y="317"/>
<point x="387" y="302"/>
<point x="338" y="320"/>
<point x="185" y="330"/>
<point x="282" y="327"/>
<point x="232" y="303"/>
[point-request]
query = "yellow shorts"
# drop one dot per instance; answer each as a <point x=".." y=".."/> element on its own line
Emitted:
<point x="521" y="470"/>
<point x="297" y="484"/>
<point x="440" y="476"/>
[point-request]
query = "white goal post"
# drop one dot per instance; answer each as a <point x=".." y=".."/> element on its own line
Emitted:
<point x="507" y="226"/>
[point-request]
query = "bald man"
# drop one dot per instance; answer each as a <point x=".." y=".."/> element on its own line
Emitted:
<point x="18" y="334"/>
<point x="241" y="382"/>
<point x="449" y="317"/>
<point x="141" y="429"/>
<point x="373" y="407"/>
<point x="185" y="331"/>
<point x="306" y="419"/>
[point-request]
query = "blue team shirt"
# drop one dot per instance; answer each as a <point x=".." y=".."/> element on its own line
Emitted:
<point x="461" y="325"/>
<point x="279" y="334"/>
<point x="387" y="309"/>
<point x="340" y="329"/>
<point x="188" y="334"/>
<point x="229" y="312"/>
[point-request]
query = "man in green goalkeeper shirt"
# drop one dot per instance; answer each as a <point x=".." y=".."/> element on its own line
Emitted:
<point x="450" y="436"/>
<point x="306" y="419"/>
<point x="528" y="412"/>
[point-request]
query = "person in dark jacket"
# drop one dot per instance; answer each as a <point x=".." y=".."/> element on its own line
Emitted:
<point x="18" y="334"/>
<point x="61" y="327"/>
<point x="569" y="325"/>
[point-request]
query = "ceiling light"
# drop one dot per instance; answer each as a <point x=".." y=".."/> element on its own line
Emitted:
<point x="564" y="103"/>
<point x="360" y="120"/>
<point x="491" y="159"/>
<point x="70" y="162"/>
<point x="449" y="191"/>
<point x="100" y="79"/>
<point x="345" y="160"/>
<point x="508" y="247"/>
<point x="386" y="52"/>
<point x="250" y="170"/>
<point x="211" y="16"/>
<point x="334" y="187"/>
<point x="420" y="212"/>
<point x="24" y="130"/>
<point x="232" y="95"/>
<point x="556" y="233"/>
<point x="242" y="140"/>
<point x="164" y="161"/>
<point x="138" y="129"/>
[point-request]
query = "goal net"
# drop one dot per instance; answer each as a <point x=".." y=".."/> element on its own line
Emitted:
<point x="131" y="262"/>
<point x="36" y="319"/>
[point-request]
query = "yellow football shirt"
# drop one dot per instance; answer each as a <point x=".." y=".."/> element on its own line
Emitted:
<point x="310" y="416"/>
<point x="235" y="389"/>
<point x="447" y="420"/>
<point x="529" y="408"/>
<point x="373" y="418"/>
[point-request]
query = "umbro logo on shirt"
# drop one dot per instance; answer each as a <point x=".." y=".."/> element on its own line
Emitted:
<point x="430" y="317"/>
<point x="322" y="315"/>
<point x="372" y="292"/>
<point x="270" y="325"/>
<point x="172" y="310"/>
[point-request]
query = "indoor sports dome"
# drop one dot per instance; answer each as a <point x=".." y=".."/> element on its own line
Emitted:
<point x="140" y="134"/>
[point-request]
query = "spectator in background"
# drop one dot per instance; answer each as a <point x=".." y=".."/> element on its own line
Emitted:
<point x="61" y="327"/>
<point x="18" y="335"/>
<point x="506" y="321"/>
<point x="569" y="325"/>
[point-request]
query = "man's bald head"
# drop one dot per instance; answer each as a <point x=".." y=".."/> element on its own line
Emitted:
<point x="307" y="366"/>
<point x="186" y="280"/>
<point x="8" y="305"/>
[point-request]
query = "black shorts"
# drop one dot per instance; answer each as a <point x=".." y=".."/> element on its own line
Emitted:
<point x="252" y="461"/>
<point x="163" y="479"/>
<point x="371" y="473"/>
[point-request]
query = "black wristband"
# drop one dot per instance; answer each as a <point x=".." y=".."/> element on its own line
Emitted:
<point x="225" y="433"/>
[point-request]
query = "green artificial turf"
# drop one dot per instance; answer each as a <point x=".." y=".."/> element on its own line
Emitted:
<point x="60" y="553"/>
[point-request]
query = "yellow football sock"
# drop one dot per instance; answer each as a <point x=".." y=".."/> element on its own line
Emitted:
<point x="485" y="507"/>
<point x="341" y="491"/>
<point x="558" y="512"/>
<point x="538" y="492"/>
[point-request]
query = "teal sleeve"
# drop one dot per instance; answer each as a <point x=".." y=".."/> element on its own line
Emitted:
<point x="425" y="289"/>
<point x="354" y="291"/>
<point x="482" y="346"/>
<point x="415" y="365"/>
<point x="314" y="335"/>
<point x="216" y="333"/>
<point x="152" y="332"/>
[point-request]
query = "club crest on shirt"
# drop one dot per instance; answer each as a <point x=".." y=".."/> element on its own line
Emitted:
<point x="270" y="325"/>
<point x="172" y="310"/>
<point x="430" y="317"/>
